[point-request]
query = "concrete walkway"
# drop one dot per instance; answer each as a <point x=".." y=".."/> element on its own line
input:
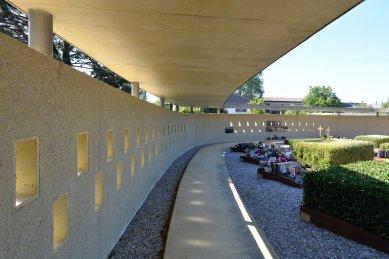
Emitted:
<point x="206" y="221"/>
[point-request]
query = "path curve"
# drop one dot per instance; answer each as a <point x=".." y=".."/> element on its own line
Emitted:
<point x="206" y="221"/>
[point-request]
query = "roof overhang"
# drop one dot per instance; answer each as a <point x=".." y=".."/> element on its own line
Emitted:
<point x="192" y="53"/>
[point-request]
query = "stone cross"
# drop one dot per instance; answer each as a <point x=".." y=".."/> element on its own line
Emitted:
<point x="328" y="131"/>
<point x="320" y="130"/>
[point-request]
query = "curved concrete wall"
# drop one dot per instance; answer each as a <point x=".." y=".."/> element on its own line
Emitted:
<point x="251" y="127"/>
<point x="45" y="99"/>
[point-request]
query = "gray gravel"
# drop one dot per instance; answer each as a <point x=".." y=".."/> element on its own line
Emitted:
<point x="275" y="208"/>
<point x="145" y="236"/>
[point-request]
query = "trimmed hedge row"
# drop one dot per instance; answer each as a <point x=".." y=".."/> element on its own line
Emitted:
<point x="291" y="141"/>
<point x="384" y="146"/>
<point x="331" y="152"/>
<point x="377" y="140"/>
<point x="357" y="193"/>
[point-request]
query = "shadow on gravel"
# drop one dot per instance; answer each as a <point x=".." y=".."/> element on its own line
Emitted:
<point x="146" y="235"/>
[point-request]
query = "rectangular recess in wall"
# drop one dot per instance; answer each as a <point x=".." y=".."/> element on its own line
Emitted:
<point x="228" y="130"/>
<point x="60" y="221"/>
<point x="26" y="170"/>
<point x="82" y="153"/>
<point x="142" y="158"/>
<point x="133" y="165"/>
<point x="98" y="190"/>
<point x="159" y="132"/>
<point x="119" y="173"/>
<point x="156" y="150"/>
<point x="126" y="139"/>
<point x="153" y="134"/>
<point x="146" y="135"/>
<point x="137" y="137"/>
<point x="150" y="152"/>
<point x="110" y="145"/>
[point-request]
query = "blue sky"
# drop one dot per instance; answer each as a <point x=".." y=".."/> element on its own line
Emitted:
<point x="351" y="55"/>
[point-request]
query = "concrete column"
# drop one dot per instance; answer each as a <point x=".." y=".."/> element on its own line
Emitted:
<point x="135" y="89"/>
<point x="171" y="106"/>
<point x="191" y="109"/>
<point x="40" y="31"/>
<point x="218" y="111"/>
<point x="177" y="108"/>
<point x="162" y="102"/>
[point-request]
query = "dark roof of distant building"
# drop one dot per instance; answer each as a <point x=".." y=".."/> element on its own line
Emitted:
<point x="283" y="99"/>
<point x="234" y="98"/>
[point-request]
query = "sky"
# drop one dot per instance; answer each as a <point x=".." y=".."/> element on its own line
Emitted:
<point x="351" y="55"/>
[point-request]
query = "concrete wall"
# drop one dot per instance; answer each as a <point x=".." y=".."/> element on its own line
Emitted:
<point x="46" y="100"/>
<point x="42" y="98"/>
<point x="252" y="127"/>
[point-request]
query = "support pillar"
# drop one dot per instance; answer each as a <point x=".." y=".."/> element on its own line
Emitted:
<point x="177" y="108"/>
<point x="40" y="31"/>
<point x="170" y="106"/>
<point x="191" y="109"/>
<point x="162" y="102"/>
<point x="135" y="89"/>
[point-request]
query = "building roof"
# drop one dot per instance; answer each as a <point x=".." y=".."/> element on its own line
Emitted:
<point x="283" y="99"/>
<point x="192" y="53"/>
<point x="234" y="98"/>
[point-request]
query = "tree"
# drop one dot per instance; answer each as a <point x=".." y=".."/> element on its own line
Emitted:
<point x="364" y="105"/>
<point x="321" y="96"/>
<point x="257" y="101"/>
<point x="386" y="104"/>
<point x="188" y="110"/>
<point x="253" y="88"/>
<point x="14" y="23"/>
<point x="293" y="112"/>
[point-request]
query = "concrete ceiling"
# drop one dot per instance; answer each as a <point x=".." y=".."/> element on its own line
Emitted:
<point x="191" y="52"/>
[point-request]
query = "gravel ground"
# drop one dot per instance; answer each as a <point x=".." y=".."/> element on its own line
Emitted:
<point x="145" y="236"/>
<point x="275" y="208"/>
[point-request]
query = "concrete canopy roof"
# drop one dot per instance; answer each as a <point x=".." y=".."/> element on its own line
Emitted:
<point x="194" y="52"/>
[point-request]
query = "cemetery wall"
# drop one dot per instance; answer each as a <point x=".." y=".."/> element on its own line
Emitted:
<point x="77" y="157"/>
<point x="258" y="127"/>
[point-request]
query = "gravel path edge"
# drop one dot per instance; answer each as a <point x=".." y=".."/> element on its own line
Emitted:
<point x="146" y="234"/>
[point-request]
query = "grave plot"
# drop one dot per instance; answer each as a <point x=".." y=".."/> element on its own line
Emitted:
<point x="274" y="160"/>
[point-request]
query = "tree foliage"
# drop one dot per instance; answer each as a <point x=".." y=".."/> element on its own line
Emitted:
<point x="253" y="88"/>
<point x="386" y="104"/>
<point x="257" y="101"/>
<point x="200" y="110"/>
<point x="364" y="105"/>
<point x="295" y="112"/>
<point x="321" y="96"/>
<point x="14" y="23"/>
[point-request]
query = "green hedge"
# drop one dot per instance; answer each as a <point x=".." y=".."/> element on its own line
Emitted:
<point x="331" y="152"/>
<point x="291" y="141"/>
<point x="384" y="146"/>
<point x="357" y="193"/>
<point x="377" y="140"/>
